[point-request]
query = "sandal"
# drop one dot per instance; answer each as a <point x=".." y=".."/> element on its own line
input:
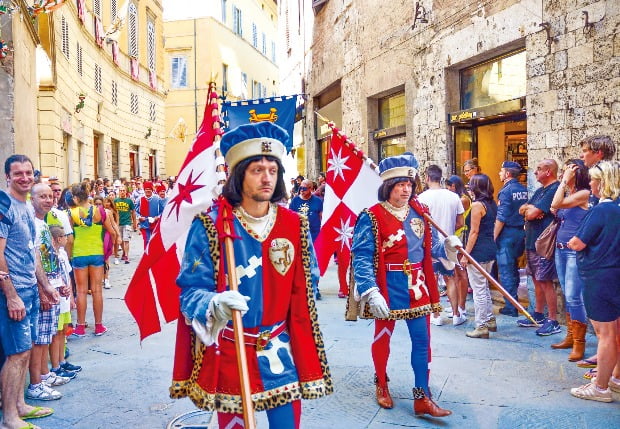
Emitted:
<point x="590" y="374"/>
<point x="588" y="363"/>
<point x="37" y="413"/>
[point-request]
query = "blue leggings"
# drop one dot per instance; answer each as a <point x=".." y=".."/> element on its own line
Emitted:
<point x="420" y="349"/>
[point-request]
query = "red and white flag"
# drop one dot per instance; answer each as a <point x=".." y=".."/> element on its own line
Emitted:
<point x="154" y="281"/>
<point x="351" y="185"/>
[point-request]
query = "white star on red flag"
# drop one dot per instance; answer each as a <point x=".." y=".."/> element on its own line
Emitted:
<point x="337" y="163"/>
<point x="345" y="233"/>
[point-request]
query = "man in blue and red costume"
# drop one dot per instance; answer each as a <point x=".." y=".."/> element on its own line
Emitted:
<point x="392" y="260"/>
<point x="273" y="255"/>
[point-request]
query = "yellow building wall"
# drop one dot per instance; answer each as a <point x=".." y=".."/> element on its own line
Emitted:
<point x="67" y="136"/>
<point x="211" y="45"/>
<point x="25" y="89"/>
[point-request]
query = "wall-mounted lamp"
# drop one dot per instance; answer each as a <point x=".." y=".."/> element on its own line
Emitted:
<point x="420" y="14"/>
<point x="148" y="133"/>
<point x="587" y="25"/>
<point x="547" y="27"/>
<point x="80" y="105"/>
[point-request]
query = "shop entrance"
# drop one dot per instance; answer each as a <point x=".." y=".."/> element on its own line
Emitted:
<point x="492" y="142"/>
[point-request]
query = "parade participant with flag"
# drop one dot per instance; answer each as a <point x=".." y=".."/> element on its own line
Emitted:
<point x="150" y="208"/>
<point x="273" y="255"/>
<point x="392" y="252"/>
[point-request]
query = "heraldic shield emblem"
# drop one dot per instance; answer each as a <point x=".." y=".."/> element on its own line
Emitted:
<point x="281" y="254"/>
<point x="417" y="226"/>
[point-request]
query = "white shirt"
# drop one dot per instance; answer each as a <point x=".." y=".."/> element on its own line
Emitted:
<point x="445" y="206"/>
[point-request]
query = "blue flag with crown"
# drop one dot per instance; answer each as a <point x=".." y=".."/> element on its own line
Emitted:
<point x="277" y="110"/>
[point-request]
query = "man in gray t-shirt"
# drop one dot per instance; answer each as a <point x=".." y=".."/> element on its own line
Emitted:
<point x="20" y="292"/>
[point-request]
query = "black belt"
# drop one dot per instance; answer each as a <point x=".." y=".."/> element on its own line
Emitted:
<point x="559" y="245"/>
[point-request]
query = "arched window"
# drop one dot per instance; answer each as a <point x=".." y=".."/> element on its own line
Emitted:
<point x="133" y="30"/>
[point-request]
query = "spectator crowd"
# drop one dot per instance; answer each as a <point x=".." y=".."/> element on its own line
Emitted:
<point x="57" y="244"/>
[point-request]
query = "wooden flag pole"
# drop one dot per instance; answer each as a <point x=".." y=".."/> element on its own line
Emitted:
<point x="242" y="360"/>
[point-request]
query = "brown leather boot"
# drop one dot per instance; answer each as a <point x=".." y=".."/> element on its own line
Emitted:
<point x="422" y="404"/>
<point x="384" y="399"/>
<point x="579" y="341"/>
<point x="567" y="342"/>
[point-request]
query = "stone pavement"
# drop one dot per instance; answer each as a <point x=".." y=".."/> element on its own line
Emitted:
<point x="513" y="380"/>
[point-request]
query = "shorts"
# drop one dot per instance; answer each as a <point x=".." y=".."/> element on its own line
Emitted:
<point x="17" y="337"/>
<point x="87" y="261"/>
<point x="126" y="232"/>
<point x="48" y="325"/>
<point x="601" y="294"/>
<point x="440" y="269"/>
<point x="539" y="268"/>
<point x="63" y="319"/>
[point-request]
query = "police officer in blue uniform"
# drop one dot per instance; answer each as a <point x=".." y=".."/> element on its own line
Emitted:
<point x="508" y="232"/>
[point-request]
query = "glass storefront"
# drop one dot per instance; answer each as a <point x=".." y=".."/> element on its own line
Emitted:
<point x="391" y="137"/>
<point x="492" y="125"/>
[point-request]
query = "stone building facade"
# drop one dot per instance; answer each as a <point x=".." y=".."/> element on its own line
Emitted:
<point x="502" y="79"/>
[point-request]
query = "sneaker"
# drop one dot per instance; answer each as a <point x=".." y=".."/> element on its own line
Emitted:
<point x="100" y="329"/>
<point x="106" y="284"/>
<point x="318" y="296"/>
<point x="42" y="392"/>
<point x="436" y="320"/>
<point x="56" y="380"/>
<point x="459" y="320"/>
<point x="126" y="260"/>
<point x="116" y="261"/>
<point x="67" y="351"/>
<point x="509" y="312"/>
<point x="70" y="367"/>
<point x="79" y="331"/>
<point x="342" y="295"/>
<point x="443" y="292"/>
<point x="550" y="327"/>
<point x="449" y="311"/>
<point x="614" y="386"/>
<point x="590" y="391"/>
<point x="62" y="372"/>
<point x="527" y="323"/>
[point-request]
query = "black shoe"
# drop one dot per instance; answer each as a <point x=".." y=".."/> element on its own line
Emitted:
<point x="318" y="296"/>
<point x="508" y="312"/>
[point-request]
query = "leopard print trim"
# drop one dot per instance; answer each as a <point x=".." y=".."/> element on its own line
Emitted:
<point x="408" y="313"/>
<point x="271" y="398"/>
<point x="436" y="308"/>
<point x="316" y="331"/>
<point x="418" y="393"/>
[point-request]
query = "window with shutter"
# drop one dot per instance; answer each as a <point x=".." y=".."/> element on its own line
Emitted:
<point x="224" y="11"/>
<point x="113" y="10"/>
<point x="134" y="104"/>
<point x="254" y="35"/>
<point x="273" y="51"/>
<point x="98" y="83"/>
<point x="244" y="85"/>
<point x="133" y="30"/>
<point x="237" y="24"/>
<point x="97" y="8"/>
<point x="150" y="45"/>
<point x="264" y="44"/>
<point x="152" y="112"/>
<point x="80" y="68"/>
<point x="114" y="93"/>
<point x="64" y="28"/>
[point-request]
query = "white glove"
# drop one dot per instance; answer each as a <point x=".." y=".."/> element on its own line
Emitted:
<point x="378" y="306"/>
<point x="223" y="303"/>
<point x="150" y="219"/>
<point x="450" y="244"/>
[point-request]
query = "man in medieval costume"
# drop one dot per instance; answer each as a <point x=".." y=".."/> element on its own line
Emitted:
<point x="273" y="256"/>
<point x="392" y="260"/>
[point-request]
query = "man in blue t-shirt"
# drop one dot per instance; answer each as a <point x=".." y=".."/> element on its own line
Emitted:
<point x="537" y="214"/>
<point x="310" y="206"/>
<point x="20" y="298"/>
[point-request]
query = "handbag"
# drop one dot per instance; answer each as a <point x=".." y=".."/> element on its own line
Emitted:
<point x="545" y="243"/>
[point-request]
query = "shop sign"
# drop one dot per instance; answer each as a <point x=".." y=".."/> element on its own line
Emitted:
<point x="502" y="108"/>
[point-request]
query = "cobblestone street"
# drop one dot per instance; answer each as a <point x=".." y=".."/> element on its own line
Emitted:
<point x="513" y="380"/>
